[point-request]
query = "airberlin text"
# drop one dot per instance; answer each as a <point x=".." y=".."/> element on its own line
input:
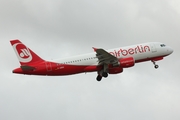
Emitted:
<point x="130" y="51"/>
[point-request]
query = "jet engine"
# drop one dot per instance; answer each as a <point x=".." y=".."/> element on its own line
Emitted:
<point x="123" y="63"/>
<point x="115" y="70"/>
<point x="127" y="62"/>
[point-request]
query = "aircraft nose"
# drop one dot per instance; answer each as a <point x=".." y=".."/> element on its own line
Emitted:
<point x="170" y="50"/>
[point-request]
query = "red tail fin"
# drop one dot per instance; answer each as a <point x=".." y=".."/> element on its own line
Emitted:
<point x="25" y="55"/>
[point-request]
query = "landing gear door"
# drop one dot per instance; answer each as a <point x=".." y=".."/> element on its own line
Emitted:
<point x="153" y="48"/>
<point x="48" y="66"/>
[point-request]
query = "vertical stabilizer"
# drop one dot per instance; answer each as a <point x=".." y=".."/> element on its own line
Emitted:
<point x="25" y="55"/>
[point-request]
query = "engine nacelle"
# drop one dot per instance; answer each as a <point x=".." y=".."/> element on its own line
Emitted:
<point x="115" y="70"/>
<point x="123" y="63"/>
<point x="127" y="62"/>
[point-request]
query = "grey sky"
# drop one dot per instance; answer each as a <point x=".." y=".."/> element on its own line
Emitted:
<point x="61" y="28"/>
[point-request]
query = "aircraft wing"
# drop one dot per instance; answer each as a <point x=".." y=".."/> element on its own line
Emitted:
<point x="105" y="58"/>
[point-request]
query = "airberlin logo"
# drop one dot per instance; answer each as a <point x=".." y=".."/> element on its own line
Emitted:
<point x="22" y="52"/>
<point x="130" y="51"/>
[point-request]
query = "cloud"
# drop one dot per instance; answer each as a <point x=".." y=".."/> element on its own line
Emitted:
<point x="57" y="29"/>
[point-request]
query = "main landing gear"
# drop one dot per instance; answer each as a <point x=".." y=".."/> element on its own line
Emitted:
<point x="99" y="77"/>
<point x="102" y="73"/>
<point x="105" y="74"/>
<point x="155" y="65"/>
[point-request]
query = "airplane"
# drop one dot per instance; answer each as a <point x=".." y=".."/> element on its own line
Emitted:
<point x="104" y="62"/>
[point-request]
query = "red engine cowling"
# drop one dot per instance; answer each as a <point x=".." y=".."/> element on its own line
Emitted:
<point x="127" y="62"/>
<point x="115" y="70"/>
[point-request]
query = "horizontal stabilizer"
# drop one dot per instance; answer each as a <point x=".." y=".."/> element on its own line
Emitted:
<point x="27" y="68"/>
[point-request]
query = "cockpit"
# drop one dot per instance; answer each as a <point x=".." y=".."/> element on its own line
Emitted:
<point x="162" y="45"/>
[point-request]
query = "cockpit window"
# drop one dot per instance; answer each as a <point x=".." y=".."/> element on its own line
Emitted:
<point x="162" y="45"/>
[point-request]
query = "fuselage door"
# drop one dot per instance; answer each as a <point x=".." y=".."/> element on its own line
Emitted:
<point x="48" y="66"/>
<point x="153" y="48"/>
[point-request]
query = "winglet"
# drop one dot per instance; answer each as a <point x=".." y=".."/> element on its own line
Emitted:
<point x="94" y="49"/>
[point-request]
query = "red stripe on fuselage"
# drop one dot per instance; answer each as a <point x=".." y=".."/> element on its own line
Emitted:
<point x="148" y="59"/>
<point x="63" y="69"/>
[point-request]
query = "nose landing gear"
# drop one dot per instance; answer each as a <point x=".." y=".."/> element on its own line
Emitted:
<point x="155" y="65"/>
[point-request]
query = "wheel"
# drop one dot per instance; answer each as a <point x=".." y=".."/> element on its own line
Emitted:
<point x="104" y="74"/>
<point x="156" y="66"/>
<point x="99" y="78"/>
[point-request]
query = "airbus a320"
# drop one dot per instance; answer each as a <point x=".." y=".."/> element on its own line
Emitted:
<point x="104" y="62"/>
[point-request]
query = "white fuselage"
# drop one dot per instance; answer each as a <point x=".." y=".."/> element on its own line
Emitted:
<point x="139" y="52"/>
